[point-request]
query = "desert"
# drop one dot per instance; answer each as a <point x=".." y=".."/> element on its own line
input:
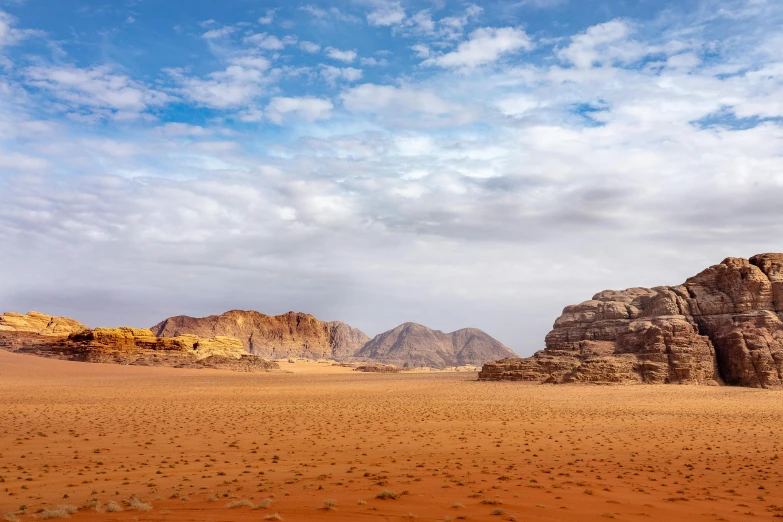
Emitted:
<point x="391" y="260"/>
<point x="323" y="442"/>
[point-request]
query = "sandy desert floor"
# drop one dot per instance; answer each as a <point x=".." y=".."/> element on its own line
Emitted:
<point x="131" y="443"/>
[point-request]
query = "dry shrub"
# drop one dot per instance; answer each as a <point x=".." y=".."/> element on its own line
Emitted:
<point x="239" y="503"/>
<point x="138" y="505"/>
<point x="274" y="516"/>
<point x="386" y="494"/>
<point x="64" y="511"/>
<point x="264" y="504"/>
<point x="113" y="507"/>
<point x="329" y="504"/>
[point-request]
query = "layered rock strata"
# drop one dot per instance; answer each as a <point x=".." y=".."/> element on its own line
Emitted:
<point x="125" y="346"/>
<point x="722" y="326"/>
<point x="288" y="335"/>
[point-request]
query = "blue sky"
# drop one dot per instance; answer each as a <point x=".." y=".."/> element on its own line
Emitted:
<point x="378" y="161"/>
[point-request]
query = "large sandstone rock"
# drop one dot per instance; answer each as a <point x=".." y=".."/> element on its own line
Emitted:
<point x="129" y="346"/>
<point x="36" y="322"/>
<point x="413" y="345"/>
<point x="720" y="326"/>
<point x="288" y="335"/>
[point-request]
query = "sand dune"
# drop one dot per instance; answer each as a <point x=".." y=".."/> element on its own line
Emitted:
<point x="325" y="443"/>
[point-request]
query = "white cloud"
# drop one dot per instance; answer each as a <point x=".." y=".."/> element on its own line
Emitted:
<point x="222" y="32"/>
<point x="309" y="47"/>
<point x="334" y="74"/>
<point x="307" y="108"/>
<point x="332" y="13"/>
<point x="97" y="88"/>
<point x="485" y="45"/>
<point x="601" y="44"/>
<point x="238" y="85"/>
<point x="268" y="17"/>
<point x="405" y="105"/>
<point x="386" y="13"/>
<point x="340" y="55"/>
<point x="266" y="41"/>
<point x="422" y="51"/>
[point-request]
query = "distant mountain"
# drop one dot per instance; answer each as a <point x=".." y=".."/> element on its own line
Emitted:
<point x="288" y="335"/>
<point x="412" y="344"/>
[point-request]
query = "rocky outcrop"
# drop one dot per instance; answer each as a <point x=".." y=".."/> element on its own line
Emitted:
<point x="720" y="326"/>
<point x="378" y="368"/>
<point x="288" y="335"/>
<point x="36" y="322"/>
<point x="414" y="345"/>
<point x="133" y="346"/>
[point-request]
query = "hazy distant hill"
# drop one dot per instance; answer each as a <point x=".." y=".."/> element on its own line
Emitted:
<point x="417" y="345"/>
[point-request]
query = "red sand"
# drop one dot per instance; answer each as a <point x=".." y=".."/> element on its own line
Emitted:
<point x="190" y="442"/>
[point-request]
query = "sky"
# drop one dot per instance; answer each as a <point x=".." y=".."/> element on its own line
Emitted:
<point x="449" y="163"/>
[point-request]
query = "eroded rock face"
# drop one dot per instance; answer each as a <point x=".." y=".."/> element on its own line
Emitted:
<point x="36" y="322"/>
<point x="288" y="335"/>
<point x="136" y="347"/>
<point x="413" y="345"/>
<point x="720" y="326"/>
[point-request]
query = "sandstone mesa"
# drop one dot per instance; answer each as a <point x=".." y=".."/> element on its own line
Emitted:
<point x="722" y="326"/>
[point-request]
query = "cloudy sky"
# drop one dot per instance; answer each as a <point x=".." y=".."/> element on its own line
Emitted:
<point x="379" y="161"/>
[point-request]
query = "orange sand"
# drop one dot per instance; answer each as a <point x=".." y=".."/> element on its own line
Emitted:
<point x="190" y="442"/>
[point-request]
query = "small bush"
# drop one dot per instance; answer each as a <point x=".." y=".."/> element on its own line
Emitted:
<point x="113" y="507"/>
<point x="498" y="512"/>
<point x="329" y="504"/>
<point x="138" y="505"/>
<point x="264" y="504"/>
<point x="275" y="516"/>
<point x="491" y="501"/>
<point x="58" y="512"/>
<point x="386" y="494"/>
<point x="239" y="503"/>
<point x="361" y="502"/>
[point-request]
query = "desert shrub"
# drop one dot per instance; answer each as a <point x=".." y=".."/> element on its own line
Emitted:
<point x="386" y="494"/>
<point x="239" y="503"/>
<point x="138" y="505"/>
<point x="491" y="501"/>
<point x="361" y="502"/>
<point x="274" y="516"/>
<point x="10" y="517"/>
<point x="58" y="512"/>
<point x="498" y="512"/>
<point x="113" y="507"/>
<point x="329" y="504"/>
<point x="264" y="504"/>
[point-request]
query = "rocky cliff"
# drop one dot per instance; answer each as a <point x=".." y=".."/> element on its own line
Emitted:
<point x="63" y="338"/>
<point x="412" y="345"/>
<point x="36" y="322"/>
<point x="722" y="326"/>
<point x="288" y="335"/>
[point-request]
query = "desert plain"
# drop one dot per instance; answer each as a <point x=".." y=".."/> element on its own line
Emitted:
<point x="323" y="442"/>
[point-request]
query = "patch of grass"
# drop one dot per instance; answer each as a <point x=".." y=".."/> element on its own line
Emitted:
<point x="329" y="505"/>
<point x="498" y="512"/>
<point x="113" y="507"/>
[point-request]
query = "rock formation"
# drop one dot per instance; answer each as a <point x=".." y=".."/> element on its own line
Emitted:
<point x="414" y="345"/>
<point x="64" y="338"/>
<point x="288" y="335"/>
<point x="722" y="326"/>
<point x="36" y="322"/>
